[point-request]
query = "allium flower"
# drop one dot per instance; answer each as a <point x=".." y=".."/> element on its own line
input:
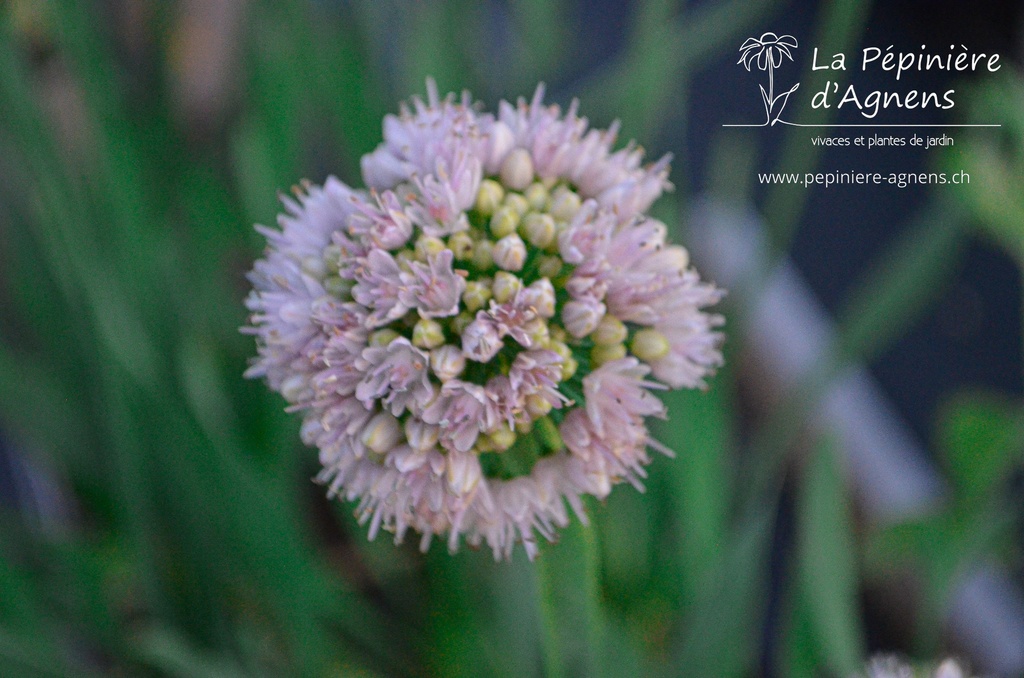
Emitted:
<point x="475" y="339"/>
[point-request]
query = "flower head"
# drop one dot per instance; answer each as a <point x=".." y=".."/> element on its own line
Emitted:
<point x="476" y="339"/>
<point x="766" y="51"/>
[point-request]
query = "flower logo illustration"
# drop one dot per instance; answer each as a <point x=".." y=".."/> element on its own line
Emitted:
<point x="767" y="52"/>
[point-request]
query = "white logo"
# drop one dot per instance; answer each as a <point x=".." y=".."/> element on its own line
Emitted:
<point x="767" y="52"/>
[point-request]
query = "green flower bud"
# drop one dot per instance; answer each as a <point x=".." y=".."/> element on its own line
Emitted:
<point x="461" y="244"/>
<point x="338" y="287"/>
<point x="383" y="337"/>
<point x="517" y="202"/>
<point x="569" y="367"/>
<point x="502" y="438"/>
<point x="489" y="197"/>
<point x="332" y="257"/>
<point x="504" y="222"/>
<point x="460" y="321"/>
<point x="599" y="355"/>
<point x="609" y="331"/>
<point x="482" y="254"/>
<point x="524" y="426"/>
<point x="564" y="204"/>
<point x="650" y="344"/>
<point x="427" y="245"/>
<point x="537" y="406"/>
<point x="537" y="196"/>
<point x="477" y="294"/>
<point x="403" y="257"/>
<point x="550" y="266"/>
<point x="427" y="333"/>
<point x="505" y="286"/>
<point x="538" y="229"/>
<point x="559" y="347"/>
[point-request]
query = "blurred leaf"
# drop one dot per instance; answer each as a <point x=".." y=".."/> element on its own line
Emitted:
<point x="827" y="564"/>
<point x="995" y="162"/>
<point x="982" y="438"/>
<point x="29" y="657"/>
<point x="173" y="655"/>
<point x="699" y="430"/>
<point x="722" y="628"/>
<point x="459" y="642"/>
<point x="901" y="285"/>
<point x="570" y="607"/>
<point x="571" y="612"/>
<point x="798" y="656"/>
<point x="641" y="87"/>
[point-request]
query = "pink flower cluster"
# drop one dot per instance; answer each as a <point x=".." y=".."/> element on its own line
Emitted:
<point x="474" y="339"/>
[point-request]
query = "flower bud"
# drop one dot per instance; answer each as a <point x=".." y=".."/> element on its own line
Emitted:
<point x="447" y="362"/>
<point x="482" y="254"/>
<point x="420" y="435"/>
<point x="505" y="286"/>
<point x="541" y="296"/>
<point x="403" y="257"/>
<point x="296" y="388"/>
<point x="537" y="406"/>
<point x="427" y="333"/>
<point x="609" y="331"/>
<point x="502" y="438"/>
<point x="539" y="229"/>
<point x="502" y="140"/>
<point x="510" y="253"/>
<point x="581" y="317"/>
<point x="517" y="202"/>
<point x="338" y="287"/>
<point x="537" y="331"/>
<point x="564" y="205"/>
<point x="524" y="426"/>
<point x="427" y="245"/>
<point x="461" y="244"/>
<point x="463" y="472"/>
<point x="537" y="196"/>
<point x="382" y="433"/>
<point x="559" y="347"/>
<point x="517" y="169"/>
<point x="332" y="257"/>
<point x="599" y="355"/>
<point x="460" y="322"/>
<point x="649" y="344"/>
<point x="504" y="222"/>
<point x="489" y="197"/>
<point x="569" y="367"/>
<point x="550" y="266"/>
<point x="383" y="337"/>
<point x="314" y="267"/>
<point x="476" y="296"/>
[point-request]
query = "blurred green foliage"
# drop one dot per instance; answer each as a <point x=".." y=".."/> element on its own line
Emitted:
<point x="187" y="539"/>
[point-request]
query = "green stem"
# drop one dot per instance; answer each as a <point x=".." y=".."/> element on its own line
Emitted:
<point x="570" y="608"/>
